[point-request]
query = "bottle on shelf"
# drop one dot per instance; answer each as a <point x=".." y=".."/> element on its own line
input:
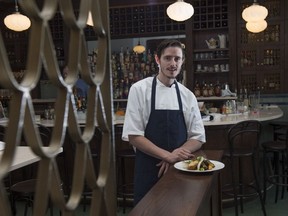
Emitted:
<point x="246" y="99"/>
<point x="197" y="90"/>
<point x="211" y="91"/>
<point x="217" y="89"/>
<point x="205" y="90"/>
<point x="121" y="56"/>
<point x="277" y="33"/>
<point x="128" y="68"/>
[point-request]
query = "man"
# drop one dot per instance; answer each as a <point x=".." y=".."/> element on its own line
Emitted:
<point x="162" y="120"/>
<point x="81" y="87"/>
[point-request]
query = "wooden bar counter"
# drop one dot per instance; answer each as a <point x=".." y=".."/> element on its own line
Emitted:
<point x="180" y="193"/>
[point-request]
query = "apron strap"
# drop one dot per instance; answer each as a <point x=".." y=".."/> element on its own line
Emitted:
<point x="153" y="94"/>
<point x="178" y="96"/>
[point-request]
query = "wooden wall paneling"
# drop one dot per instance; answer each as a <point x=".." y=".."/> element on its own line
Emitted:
<point x="285" y="34"/>
<point x="189" y="53"/>
<point x="232" y="40"/>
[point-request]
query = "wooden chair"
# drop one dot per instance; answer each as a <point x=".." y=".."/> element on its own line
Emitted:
<point x="278" y="175"/>
<point x="24" y="190"/>
<point x="243" y="139"/>
<point x="124" y="188"/>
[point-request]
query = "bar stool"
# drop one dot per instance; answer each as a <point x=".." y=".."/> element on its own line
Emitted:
<point x="24" y="190"/>
<point x="124" y="188"/>
<point x="243" y="140"/>
<point x="279" y="150"/>
<point x="95" y="152"/>
<point x="279" y="129"/>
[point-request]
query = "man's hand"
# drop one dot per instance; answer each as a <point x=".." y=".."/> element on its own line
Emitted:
<point x="179" y="154"/>
<point x="164" y="166"/>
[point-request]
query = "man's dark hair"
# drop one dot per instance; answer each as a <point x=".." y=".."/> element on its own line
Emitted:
<point x="168" y="43"/>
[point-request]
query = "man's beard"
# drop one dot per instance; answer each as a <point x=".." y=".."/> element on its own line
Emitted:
<point x="168" y="76"/>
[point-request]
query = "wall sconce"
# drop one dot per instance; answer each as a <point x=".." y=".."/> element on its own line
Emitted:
<point x="180" y="11"/>
<point x="17" y="21"/>
<point x="139" y="48"/>
<point x="255" y="16"/>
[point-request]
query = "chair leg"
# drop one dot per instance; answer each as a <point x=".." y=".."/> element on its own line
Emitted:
<point x="12" y="201"/>
<point x="234" y="187"/>
<point x="51" y="208"/>
<point x="276" y="161"/>
<point x="241" y="186"/>
<point x="283" y="174"/>
<point x="264" y="175"/>
<point x="26" y="209"/>
<point x="123" y="183"/>
<point x="258" y="186"/>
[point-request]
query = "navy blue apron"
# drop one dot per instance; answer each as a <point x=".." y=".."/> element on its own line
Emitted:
<point x="166" y="129"/>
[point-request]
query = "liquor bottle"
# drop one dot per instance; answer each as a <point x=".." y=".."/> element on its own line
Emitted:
<point x="211" y="91"/>
<point x="217" y="89"/>
<point x="272" y="36"/>
<point x="127" y="55"/>
<point x="271" y="55"/>
<point x="205" y="90"/>
<point x="83" y="103"/>
<point x="266" y="57"/>
<point x="246" y="99"/>
<point x="277" y="33"/>
<point x="197" y="90"/>
<point x="266" y="35"/>
<point x="121" y="56"/>
<point x="149" y="57"/>
<point x="240" y="97"/>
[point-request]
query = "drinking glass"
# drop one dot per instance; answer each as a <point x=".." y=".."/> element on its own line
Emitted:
<point x="240" y="107"/>
<point x="254" y="102"/>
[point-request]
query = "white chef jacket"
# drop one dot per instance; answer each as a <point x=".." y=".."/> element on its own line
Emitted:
<point x="139" y="107"/>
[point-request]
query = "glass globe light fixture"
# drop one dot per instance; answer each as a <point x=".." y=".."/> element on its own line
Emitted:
<point x="256" y="27"/>
<point x="254" y="13"/>
<point x="139" y="48"/>
<point x="89" y="20"/>
<point x="180" y="11"/>
<point x="17" y="21"/>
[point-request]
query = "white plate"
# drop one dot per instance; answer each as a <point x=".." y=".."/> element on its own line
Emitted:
<point x="182" y="166"/>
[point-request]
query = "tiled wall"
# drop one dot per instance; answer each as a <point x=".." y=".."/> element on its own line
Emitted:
<point x="277" y="99"/>
<point x="274" y="99"/>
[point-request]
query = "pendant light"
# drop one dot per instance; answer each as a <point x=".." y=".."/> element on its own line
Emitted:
<point x="17" y="21"/>
<point x="89" y="20"/>
<point x="256" y="27"/>
<point x="255" y="16"/>
<point x="254" y="13"/>
<point x="139" y="48"/>
<point x="180" y="11"/>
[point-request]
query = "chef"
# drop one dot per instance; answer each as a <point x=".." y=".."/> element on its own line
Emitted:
<point x="162" y="120"/>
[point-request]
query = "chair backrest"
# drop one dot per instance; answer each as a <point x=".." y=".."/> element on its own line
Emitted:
<point x="286" y="140"/>
<point x="2" y="133"/>
<point x="244" y="136"/>
<point x="45" y="134"/>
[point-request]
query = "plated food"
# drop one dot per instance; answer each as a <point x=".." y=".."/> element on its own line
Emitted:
<point x="199" y="164"/>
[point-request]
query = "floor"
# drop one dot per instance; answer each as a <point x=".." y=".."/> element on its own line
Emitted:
<point x="251" y="208"/>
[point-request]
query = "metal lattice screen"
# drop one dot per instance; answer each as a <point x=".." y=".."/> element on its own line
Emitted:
<point x="41" y="53"/>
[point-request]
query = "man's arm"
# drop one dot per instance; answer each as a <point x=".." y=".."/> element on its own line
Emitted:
<point x="192" y="145"/>
<point x="146" y="146"/>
